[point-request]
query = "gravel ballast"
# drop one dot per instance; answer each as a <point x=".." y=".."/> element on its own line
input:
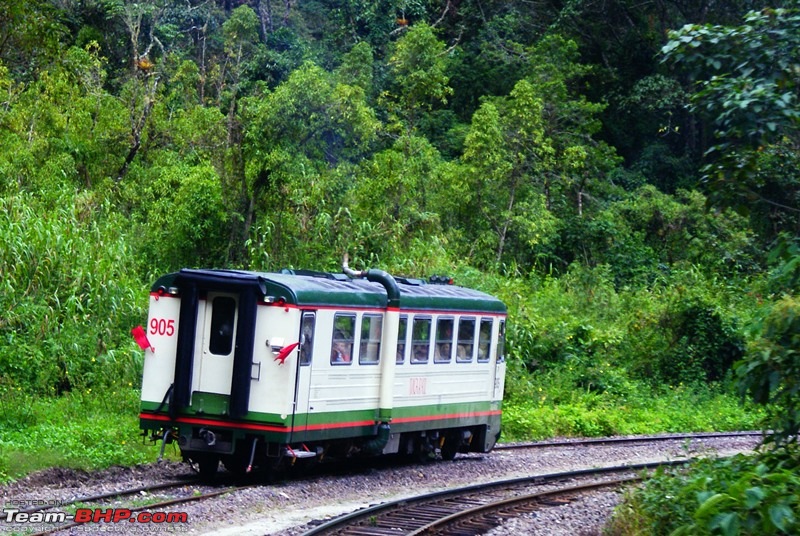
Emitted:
<point x="286" y="508"/>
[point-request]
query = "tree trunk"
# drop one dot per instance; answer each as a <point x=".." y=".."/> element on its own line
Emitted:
<point x="506" y="223"/>
<point x="265" y="15"/>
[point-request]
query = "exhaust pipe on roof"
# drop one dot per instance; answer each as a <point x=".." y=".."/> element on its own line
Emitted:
<point x="376" y="276"/>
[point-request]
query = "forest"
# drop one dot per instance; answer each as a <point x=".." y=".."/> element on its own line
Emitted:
<point x="624" y="175"/>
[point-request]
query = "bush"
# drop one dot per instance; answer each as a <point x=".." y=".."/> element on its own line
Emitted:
<point x="702" y="345"/>
<point x="740" y="495"/>
<point x="771" y="372"/>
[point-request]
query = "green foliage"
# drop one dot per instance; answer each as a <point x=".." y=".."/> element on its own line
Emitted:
<point x="187" y="222"/>
<point x="70" y="304"/>
<point x="87" y="429"/>
<point x="784" y="259"/>
<point x="748" y="83"/>
<point x="686" y="329"/>
<point x="748" y="89"/>
<point x="770" y="374"/>
<point x="702" y="345"/>
<point x="30" y="36"/>
<point x="736" y="496"/>
<point x="646" y="233"/>
<point x="550" y="404"/>
<point x="418" y="65"/>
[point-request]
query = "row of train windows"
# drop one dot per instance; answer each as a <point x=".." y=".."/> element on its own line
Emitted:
<point x="463" y="339"/>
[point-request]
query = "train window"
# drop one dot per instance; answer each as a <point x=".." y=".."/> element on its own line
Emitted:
<point x="420" y="340"/>
<point x="343" y="334"/>
<point x="501" y="341"/>
<point x="444" y="340"/>
<point x="307" y="338"/>
<point x="485" y="340"/>
<point x="466" y="339"/>
<point x="370" y="348"/>
<point x="401" y="339"/>
<point x="223" y="315"/>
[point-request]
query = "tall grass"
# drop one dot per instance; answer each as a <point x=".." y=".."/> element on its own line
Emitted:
<point x="69" y="293"/>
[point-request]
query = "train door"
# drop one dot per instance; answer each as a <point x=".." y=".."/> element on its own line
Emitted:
<point x="304" y="365"/>
<point x="217" y="351"/>
<point x="500" y="363"/>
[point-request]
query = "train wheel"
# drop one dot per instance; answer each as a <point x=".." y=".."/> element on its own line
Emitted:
<point x="423" y="451"/>
<point x="207" y="464"/>
<point x="450" y="447"/>
<point x="235" y="464"/>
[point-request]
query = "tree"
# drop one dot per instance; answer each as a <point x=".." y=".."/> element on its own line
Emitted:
<point x="30" y="34"/>
<point x="141" y="20"/>
<point x="748" y="88"/>
<point x="506" y="153"/>
<point x="418" y="65"/>
<point x="295" y="136"/>
<point x="531" y="156"/>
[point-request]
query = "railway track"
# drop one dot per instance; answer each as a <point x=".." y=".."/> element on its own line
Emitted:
<point x="476" y="509"/>
<point x="226" y="486"/>
<point x="624" y="440"/>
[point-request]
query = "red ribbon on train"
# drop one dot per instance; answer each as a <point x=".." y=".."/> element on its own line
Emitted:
<point x="285" y="351"/>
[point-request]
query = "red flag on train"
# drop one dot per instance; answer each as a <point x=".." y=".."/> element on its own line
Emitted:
<point x="285" y="351"/>
<point x="141" y="338"/>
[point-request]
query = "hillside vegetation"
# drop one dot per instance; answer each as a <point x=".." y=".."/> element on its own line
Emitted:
<point x="625" y="176"/>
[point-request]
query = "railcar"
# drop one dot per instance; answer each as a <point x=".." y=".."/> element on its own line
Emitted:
<point x="268" y="369"/>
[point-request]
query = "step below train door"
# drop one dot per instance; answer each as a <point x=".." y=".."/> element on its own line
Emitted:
<point x="216" y="355"/>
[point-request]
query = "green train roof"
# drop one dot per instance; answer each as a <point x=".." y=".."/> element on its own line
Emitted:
<point x="304" y="288"/>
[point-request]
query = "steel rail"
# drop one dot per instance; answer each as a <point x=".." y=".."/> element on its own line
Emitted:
<point x="368" y="520"/>
<point x="454" y="523"/>
<point x="618" y="440"/>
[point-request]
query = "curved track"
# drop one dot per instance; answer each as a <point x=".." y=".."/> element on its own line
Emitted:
<point x="432" y="513"/>
<point x="230" y="487"/>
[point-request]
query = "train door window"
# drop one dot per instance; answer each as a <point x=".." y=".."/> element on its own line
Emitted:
<point x="307" y="338"/>
<point x="402" y="328"/>
<point x="343" y="334"/>
<point x="444" y="340"/>
<point x="501" y="341"/>
<point x="465" y="340"/>
<point x="485" y="340"/>
<point x="223" y="315"/>
<point x="420" y="340"/>
<point x="370" y="344"/>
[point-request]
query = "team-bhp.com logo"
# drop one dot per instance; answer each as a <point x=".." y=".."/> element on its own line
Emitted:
<point x="95" y="515"/>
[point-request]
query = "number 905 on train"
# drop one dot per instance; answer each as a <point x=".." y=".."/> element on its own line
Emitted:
<point x="272" y="369"/>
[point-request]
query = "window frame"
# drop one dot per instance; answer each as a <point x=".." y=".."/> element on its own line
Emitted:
<point x="419" y="342"/>
<point x="442" y="340"/>
<point x="346" y="341"/>
<point x="362" y="342"/>
<point x="216" y="323"/>
<point x="401" y="354"/>
<point x="307" y="346"/>
<point x="471" y="341"/>
<point x="488" y="357"/>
